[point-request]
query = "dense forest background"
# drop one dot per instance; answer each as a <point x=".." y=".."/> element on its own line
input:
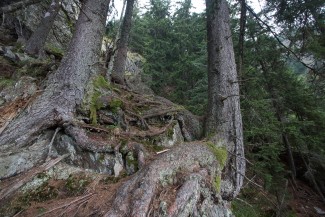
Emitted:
<point x="281" y="62"/>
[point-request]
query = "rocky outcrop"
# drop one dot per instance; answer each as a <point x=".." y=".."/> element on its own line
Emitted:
<point x="20" y="24"/>
<point x="134" y="75"/>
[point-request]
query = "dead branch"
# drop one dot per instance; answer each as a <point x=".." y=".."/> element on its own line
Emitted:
<point x="261" y="22"/>
<point x="51" y="143"/>
<point x="163" y="151"/>
<point x="82" y="198"/>
<point x="81" y="204"/>
<point x="243" y="201"/>
<point x="250" y="163"/>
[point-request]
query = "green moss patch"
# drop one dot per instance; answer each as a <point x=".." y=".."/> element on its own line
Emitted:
<point x="99" y="83"/>
<point x="94" y="106"/>
<point x="5" y="82"/>
<point x="76" y="185"/>
<point x="42" y="193"/>
<point x="217" y="183"/>
<point x="115" y="104"/>
<point x="219" y="152"/>
<point x="57" y="52"/>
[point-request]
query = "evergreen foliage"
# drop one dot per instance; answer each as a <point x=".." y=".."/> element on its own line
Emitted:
<point x="280" y="96"/>
<point x="174" y="45"/>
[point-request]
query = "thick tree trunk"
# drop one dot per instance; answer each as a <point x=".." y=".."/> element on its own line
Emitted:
<point x="17" y="5"/>
<point x="66" y="87"/>
<point x="224" y="122"/>
<point x="35" y="44"/>
<point x="121" y="55"/>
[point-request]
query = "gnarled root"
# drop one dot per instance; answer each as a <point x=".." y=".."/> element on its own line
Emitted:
<point x="136" y="197"/>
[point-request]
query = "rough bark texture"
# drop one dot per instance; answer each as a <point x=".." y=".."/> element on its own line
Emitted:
<point x="224" y="122"/>
<point x="66" y="87"/>
<point x="121" y="55"/>
<point x="36" y="42"/>
<point x="17" y="5"/>
<point x="190" y="168"/>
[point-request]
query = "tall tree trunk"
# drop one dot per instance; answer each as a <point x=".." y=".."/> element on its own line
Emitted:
<point x="223" y="120"/>
<point x="66" y="87"/>
<point x="121" y="55"/>
<point x="35" y="44"/>
<point x="242" y="25"/>
<point x="17" y="5"/>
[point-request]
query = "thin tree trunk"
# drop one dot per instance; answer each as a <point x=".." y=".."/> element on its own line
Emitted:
<point x="224" y="121"/>
<point x="242" y="26"/>
<point x="110" y="52"/>
<point x="278" y="114"/>
<point x="18" y="5"/>
<point x="290" y="155"/>
<point x="66" y="87"/>
<point x="280" y="117"/>
<point x="121" y="55"/>
<point x="35" y="44"/>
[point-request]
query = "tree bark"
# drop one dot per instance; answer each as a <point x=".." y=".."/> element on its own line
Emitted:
<point x="66" y="87"/>
<point x="35" y="44"/>
<point x="18" y="5"/>
<point x="223" y="120"/>
<point x="242" y="25"/>
<point x="121" y="55"/>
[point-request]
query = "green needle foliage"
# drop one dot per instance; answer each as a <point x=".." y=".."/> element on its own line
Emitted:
<point x="282" y="100"/>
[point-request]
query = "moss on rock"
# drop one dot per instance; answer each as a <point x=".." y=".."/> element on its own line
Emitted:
<point x="115" y="104"/>
<point x="219" y="152"/>
<point x="217" y="183"/>
<point x="95" y="104"/>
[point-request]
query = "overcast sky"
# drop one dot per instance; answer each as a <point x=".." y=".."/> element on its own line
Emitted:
<point x="198" y="5"/>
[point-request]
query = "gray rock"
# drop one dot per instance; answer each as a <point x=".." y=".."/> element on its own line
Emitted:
<point x="16" y="161"/>
<point x="130" y="163"/>
<point x="171" y="137"/>
<point x="134" y="74"/>
<point x="190" y="125"/>
<point x="25" y="87"/>
<point x="23" y="57"/>
<point x="2" y="101"/>
<point x="94" y="161"/>
<point x="118" y="164"/>
<point x="9" y="54"/>
<point x="23" y="22"/>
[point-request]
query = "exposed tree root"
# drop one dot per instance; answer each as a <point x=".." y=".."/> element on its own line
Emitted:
<point x="85" y="142"/>
<point x="135" y="196"/>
